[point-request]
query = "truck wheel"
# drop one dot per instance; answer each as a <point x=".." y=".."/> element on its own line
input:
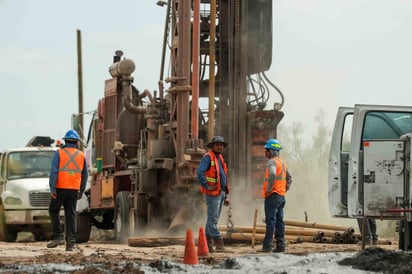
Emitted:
<point x="84" y="227"/>
<point x="142" y="212"/>
<point x="138" y="219"/>
<point x="6" y="234"/>
<point x="121" y="226"/>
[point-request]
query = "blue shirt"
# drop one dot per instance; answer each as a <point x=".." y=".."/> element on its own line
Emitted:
<point x="55" y="169"/>
<point x="204" y="166"/>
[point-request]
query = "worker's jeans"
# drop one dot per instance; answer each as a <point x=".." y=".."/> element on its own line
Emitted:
<point x="274" y="205"/>
<point x="370" y="229"/>
<point x="214" y="207"/>
<point x="68" y="199"/>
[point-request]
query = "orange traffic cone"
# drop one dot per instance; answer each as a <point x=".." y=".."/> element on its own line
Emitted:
<point x="202" y="249"/>
<point x="190" y="249"/>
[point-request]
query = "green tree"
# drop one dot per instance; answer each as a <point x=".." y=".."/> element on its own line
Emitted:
<point x="307" y="160"/>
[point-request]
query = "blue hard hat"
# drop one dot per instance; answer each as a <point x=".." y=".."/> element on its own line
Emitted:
<point x="71" y="135"/>
<point x="273" y="144"/>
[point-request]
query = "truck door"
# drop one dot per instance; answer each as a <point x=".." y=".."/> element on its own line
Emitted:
<point x="378" y="167"/>
<point x="338" y="163"/>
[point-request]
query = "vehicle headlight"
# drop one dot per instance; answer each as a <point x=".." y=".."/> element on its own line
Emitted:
<point x="13" y="201"/>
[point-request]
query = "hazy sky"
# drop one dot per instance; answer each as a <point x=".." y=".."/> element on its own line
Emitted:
<point x="327" y="53"/>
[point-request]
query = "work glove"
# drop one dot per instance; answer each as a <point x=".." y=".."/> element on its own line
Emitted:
<point x="79" y="195"/>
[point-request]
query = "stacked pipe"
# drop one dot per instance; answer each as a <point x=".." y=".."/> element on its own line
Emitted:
<point x="297" y="232"/>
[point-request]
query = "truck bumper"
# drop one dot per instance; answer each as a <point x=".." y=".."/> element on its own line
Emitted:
<point x="17" y="217"/>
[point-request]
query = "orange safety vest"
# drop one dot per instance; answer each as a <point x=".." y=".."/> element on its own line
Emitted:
<point x="70" y="168"/>
<point x="213" y="176"/>
<point x="279" y="185"/>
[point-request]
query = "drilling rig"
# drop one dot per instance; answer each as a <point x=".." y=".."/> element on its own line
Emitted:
<point x="146" y="146"/>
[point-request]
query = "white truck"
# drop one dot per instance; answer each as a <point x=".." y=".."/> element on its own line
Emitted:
<point x="370" y="166"/>
<point x="24" y="189"/>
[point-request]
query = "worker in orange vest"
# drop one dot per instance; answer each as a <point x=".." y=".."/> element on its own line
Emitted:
<point x="214" y="184"/>
<point x="277" y="182"/>
<point x="68" y="178"/>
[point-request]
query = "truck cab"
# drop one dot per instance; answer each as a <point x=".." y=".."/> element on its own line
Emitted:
<point x="369" y="165"/>
<point x="24" y="189"/>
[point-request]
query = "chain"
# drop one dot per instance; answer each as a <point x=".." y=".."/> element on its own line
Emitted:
<point x="229" y="223"/>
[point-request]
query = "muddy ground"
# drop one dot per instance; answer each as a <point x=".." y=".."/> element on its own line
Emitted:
<point x="104" y="256"/>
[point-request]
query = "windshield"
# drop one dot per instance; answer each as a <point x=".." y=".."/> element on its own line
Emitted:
<point x="29" y="164"/>
<point x="386" y="125"/>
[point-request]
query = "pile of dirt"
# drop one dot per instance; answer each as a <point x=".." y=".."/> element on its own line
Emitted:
<point x="378" y="259"/>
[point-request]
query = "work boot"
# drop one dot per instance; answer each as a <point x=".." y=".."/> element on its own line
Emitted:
<point x="69" y="246"/>
<point x="55" y="243"/>
<point x="279" y="249"/>
<point x="265" y="250"/>
<point x="218" y="241"/>
<point x="209" y="241"/>
<point x="280" y="245"/>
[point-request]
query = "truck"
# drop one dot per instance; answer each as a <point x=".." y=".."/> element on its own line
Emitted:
<point x="370" y="166"/>
<point x="144" y="146"/>
<point x="24" y="189"/>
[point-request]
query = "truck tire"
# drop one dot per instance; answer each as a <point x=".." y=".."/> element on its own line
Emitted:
<point x="142" y="212"/>
<point x="6" y="234"/>
<point x="84" y="227"/>
<point x="121" y="225"/>
<point x="138" y="218"/>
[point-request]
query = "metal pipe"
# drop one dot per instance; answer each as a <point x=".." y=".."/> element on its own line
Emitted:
<point x="393" y="210"/>
<point x="165" y="33"/>
<point x="127" y="97"/>
<point x="146" y="93"/>
<point x="212" y="31"/>
<point x="195" y="69"/>
<point x="80" y="84"/>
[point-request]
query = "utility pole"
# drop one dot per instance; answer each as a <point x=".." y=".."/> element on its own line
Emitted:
<point x="80" y="86"/>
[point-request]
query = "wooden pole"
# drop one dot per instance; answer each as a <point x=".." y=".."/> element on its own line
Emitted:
<point x="195" y="68"/>
<point x="314" y="225"/>
<point x="254" y="228"/>
<point x="301" y="232"/>
<point x="212" y="57"/>
<point x="363" y="232"/>
<point x="80" y="85"/>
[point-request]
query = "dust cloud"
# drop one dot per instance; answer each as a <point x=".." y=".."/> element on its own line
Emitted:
<point x="306" y="201"/>
<point x="303" y="203"/>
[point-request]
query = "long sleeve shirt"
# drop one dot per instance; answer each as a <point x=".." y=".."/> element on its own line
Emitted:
<point x="55" y="169"/>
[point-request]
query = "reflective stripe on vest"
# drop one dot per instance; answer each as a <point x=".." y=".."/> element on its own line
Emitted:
<point x="70" y="168"/>
<point x="279" y="185"/>
<point x="213" y="171"/>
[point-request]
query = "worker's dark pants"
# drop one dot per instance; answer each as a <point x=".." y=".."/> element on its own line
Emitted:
<point x="68" y="199"/>
<point x="274" y="205"/>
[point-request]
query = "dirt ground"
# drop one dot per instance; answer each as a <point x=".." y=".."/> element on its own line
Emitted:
<point x="104" y="256"/>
